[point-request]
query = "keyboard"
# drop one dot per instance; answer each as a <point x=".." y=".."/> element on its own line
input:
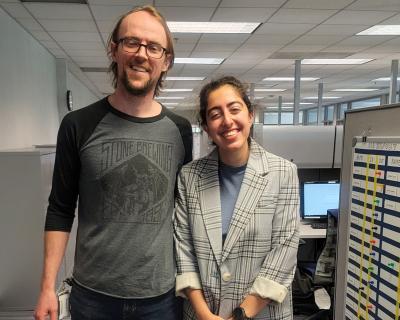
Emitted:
<point x="319" y="225"/>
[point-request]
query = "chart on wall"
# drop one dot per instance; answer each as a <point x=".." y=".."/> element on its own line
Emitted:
<point x="373" y="268"/>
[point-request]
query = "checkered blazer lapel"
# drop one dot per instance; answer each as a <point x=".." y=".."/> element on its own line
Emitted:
<point x="210" y="204"/>
<point x="255" y="181"/>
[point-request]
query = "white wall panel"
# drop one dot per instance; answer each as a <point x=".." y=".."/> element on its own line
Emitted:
<point x="28" y="104"/>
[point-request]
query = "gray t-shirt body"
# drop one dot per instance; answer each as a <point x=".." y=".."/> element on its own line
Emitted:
<point x="126" y="181"/>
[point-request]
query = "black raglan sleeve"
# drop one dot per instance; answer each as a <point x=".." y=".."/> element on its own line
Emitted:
<point x="187" y="137"/>
<point x="64" y="192"/>
<point x="185" y="130"/>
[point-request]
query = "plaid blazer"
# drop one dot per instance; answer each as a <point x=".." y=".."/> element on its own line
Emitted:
<point x="260" y="250"/>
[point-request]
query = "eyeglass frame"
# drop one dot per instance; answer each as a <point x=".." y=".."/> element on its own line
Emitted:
<point x="121" y="40"/>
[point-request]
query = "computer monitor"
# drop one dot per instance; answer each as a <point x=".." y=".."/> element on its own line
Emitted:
<point x="317" y="198"/>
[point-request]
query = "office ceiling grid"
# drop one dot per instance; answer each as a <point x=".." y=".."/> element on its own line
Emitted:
<point x="290" y="29"/>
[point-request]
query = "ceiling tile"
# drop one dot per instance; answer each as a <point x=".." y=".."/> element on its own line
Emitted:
<point x="211" y="54"/>
<point x="118" y="2"/>
<point x="101" y="12"/>
<point x="284" y="28"/>
<point x="393" y="20"/>
<point x="323" y="40"/>
<point x="344" y="29"/>
<point x="105" y="26"/>
<point x="320" y="4"/>
<point x="302" y="48"/>
<point x="186" y="13"/>
<point x="217" y="46"/>
<point x="186" y="3"/>
<point x="59" y="10"/>
<point x="68" y="25"/>
<point x="381" y="5"/>
<point x="186" y="37"/>
<point x="253" y="3"/>
<point x="184" y="46"/>
<point x="301" y="16"/>
<point x="16" y="10"/>
<point x="50" y="44"/>
<point x="58" y="53"/>
<point x="364" y="40"/>
<point x="243" y="14"/>
<point x="234" y="39"/>
<point x="75" y="36"/>
<point x="41" y="35"/>
<point x="30" y="24"/>
<point x="359" y="17"/>
<point x="270" y="39"/>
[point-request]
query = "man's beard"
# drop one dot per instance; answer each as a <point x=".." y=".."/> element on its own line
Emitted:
<point x="137" y="91"/>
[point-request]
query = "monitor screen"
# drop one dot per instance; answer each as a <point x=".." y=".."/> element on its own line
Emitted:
<point x="318" y="197"/>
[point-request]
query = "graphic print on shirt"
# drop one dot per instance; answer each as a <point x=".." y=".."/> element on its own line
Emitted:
<point x="135" y="178"/>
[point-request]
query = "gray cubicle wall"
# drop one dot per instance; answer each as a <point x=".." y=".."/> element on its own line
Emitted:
<point x="25" y="185"/>
<point x="307" y="146"/>
<point x="381" y="122"/>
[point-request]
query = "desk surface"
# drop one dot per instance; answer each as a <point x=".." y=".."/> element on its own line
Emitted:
<point x="307" y="232"/>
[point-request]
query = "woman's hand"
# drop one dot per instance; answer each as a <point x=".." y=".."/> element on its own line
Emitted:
<point x="210" y="316"/>
<point x="252" y="305"/>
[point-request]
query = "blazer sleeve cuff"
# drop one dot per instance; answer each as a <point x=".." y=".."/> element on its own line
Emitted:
<point x="268" y="289"/>
<point x="187" y="280"/>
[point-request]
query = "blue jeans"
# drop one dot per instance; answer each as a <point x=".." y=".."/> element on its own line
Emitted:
<point x="90" y="305"/>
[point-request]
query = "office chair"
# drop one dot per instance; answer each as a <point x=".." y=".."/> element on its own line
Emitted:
<point x="310" y="287"/>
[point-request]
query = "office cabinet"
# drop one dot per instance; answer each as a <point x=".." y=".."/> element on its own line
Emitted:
<point x="25" y="183"/>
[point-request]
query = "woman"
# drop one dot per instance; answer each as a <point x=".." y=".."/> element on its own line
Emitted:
<point x="236" y="220"/>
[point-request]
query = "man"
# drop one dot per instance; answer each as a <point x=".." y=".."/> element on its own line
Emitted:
<point x="120" y="155"/>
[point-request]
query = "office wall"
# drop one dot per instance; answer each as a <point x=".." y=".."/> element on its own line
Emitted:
<point x="82" y="96"/>
<point x="28" y="94"/>
<point x="191" y="115"/>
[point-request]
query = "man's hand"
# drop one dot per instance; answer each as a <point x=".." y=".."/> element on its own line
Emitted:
<point x="47" y="305"/>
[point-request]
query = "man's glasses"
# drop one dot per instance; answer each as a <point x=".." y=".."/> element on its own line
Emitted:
<point x="132" y="45"/>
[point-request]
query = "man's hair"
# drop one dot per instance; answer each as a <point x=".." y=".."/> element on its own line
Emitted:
<point x="205" y="92"/>
<point x="113" y="38"/>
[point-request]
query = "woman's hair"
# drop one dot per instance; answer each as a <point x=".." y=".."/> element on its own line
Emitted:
<point x="114" y="38"/>
<point x="205" y="92"/>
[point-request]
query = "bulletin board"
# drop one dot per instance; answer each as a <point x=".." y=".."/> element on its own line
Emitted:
<point x="367" y="282"/>
<point x="373" y="269"/>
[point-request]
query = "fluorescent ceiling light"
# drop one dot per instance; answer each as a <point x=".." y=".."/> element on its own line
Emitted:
<point x="315" y="98"/>
<point x="176" y="90"/>
<point x="354" y="90"/>
<point x="385" y="79"/>
<point x="288" y="79"/>
<point x="212" y="27"/>
<point x="269" y="90"/>
<point x="381" y="30"/>
<point x="199" y="60"/>
<point x="185" y="78"/>
<point x="274" y="107"/>
<point x="170" y="98"/>
<point x="335" y="61"/>
<point x="302" y="103"/>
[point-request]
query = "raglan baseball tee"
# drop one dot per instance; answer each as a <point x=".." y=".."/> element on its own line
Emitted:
<point x="123" y="169"/>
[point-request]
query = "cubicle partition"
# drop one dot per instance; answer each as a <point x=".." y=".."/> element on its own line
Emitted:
<point x="25" y="185"/>
<point x="309" y="147"/>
